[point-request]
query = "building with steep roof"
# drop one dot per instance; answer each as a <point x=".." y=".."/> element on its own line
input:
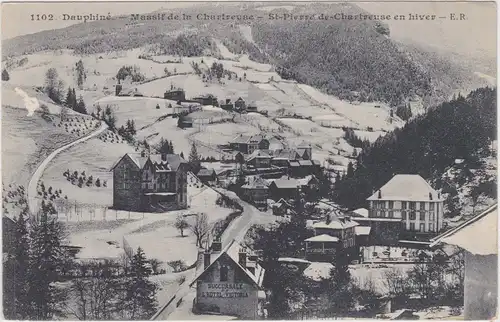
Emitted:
<point x="259" y="159"/>
<point x="478" y="237"/>
<point x="229" y="282"/>
<point x="411" y="199"/>
<point x="247" y="144"/>
<point x="153" y="183"/>
<point x="256" y="192"/>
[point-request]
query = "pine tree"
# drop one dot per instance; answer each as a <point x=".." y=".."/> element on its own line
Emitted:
<point x="80" y="106"/>
<point x="81" y="76"/>
<point x="69" y="99"/>
<point x="16" y="269"/>
<point x="47" y="258"/>
<point x="182" y="155"/>
<point x="5" y="75"/>
<point x="194" y="158"/>
<point x="74" y="102"/>
<point x="140" y="300"/>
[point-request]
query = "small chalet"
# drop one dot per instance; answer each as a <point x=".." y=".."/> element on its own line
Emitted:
<point x="207" y="99"/>
<point x="248" y="143"/>
<point x="153" y="183"/>
<point x="259" y="159"/>
<point x="304" y="149"/>
<point x="229" y="282"/>
<point x="227" y="105"/>
<point x="207" y="175"/>
<point x="284" y="188"/>
<point x="336" y="232"/>
<point x="256" y="193"/>
<point x="239" y="104"/>
<point x="283" y="208"/>
<point x="175" y="95"/>
<point x="478" y="238"/>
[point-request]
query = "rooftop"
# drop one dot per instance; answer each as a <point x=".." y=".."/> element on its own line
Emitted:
<point x="406" y="187"/>
<point x="322" y="238"/>
<point x="171" y="162"/>
<point x="466" y="235"/>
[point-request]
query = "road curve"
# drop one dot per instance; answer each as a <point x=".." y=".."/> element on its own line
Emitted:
<point x="32" y="193"/>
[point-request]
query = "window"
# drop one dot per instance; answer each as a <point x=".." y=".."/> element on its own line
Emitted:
<point x="431" y="227"/>
<point x="413" y="205"/>
<point x="437" y="208"/>
<point x="403" y="215"/>
<point x="422" y="206"/>
<point x="431" y="216"/>
<point x="391" y="214"/>
<point x="223" y="273"/>
<point x="391" y="204"/>
<point x="422" y="216"/>
<point x="403" y="205"/>
<point x="412" y="215"/>
<point x="422" y="227"/>
<point x="431" y="206"/>
<point x="382" y="213"/>
<point x="412" y="226"/>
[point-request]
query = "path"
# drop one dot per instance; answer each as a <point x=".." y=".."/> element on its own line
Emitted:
<point x="32" y="193"/>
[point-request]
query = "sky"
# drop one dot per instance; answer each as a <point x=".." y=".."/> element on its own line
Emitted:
<point x="474" y="37"/>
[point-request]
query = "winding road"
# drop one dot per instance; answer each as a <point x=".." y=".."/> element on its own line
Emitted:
<point x="32" y="193"/>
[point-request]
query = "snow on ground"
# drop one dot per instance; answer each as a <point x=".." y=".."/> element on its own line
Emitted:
<point x="225" y="53"/>
<point x="370" y="136"/>
<point x="318" y="271"/>
<point x="362" y="116"/>
<point x="246" y="31"/>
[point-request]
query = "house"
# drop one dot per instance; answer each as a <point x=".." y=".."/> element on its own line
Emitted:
<point x="309" y="185"/>
<point x="302" y="168"/>
<point x="336" y="233"/>
<point x="286" y="188"/>
<point x="207" y="99"/>
<point x="228" y="106"/>
<point x="153" y="183"/>
<point x="229" y="282"/>
<point x="256" y="192"/>
<point x="411" y="199"/>
<point x="248" y="143"/>
<point x="175" y="95"/>
<point x="478" y="238"/>
<point x="282" y="208"/>
<point x="304" y="149"/>
<point x="206" y="175"/>
<point x="252" y="107"/>
<point x="283" y="158"/>
<point x="240" y="105"/>
<point x="259" y="159"/>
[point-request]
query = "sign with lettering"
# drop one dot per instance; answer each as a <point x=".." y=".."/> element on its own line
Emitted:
<point x="225" y="290"/>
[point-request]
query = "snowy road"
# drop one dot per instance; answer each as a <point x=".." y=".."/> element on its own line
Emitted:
<point x="39" y="171"/>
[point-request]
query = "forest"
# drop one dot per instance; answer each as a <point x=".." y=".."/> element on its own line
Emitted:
<point x="462" y="128"/>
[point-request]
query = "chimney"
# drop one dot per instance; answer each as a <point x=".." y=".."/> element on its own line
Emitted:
<point x="163" y="156"/>
<point x="328" y="219"/>
<point x="242" y="257"/>
<point x="430" y="196"/>
<point x="206" y="259"/>
<point x="380" y="194"/>
<point x="216" y="245"/>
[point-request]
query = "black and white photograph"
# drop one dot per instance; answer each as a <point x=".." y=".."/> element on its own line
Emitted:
<point x="247" y="160"/>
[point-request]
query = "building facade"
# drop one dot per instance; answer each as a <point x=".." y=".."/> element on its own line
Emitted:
<point x="411" y="199"/>
<point x="153" y="183"/>
<point x="229" y="282"/>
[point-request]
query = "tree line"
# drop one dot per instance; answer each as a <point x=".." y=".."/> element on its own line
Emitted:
<point x="38" y="270"/>
<point x="460" y="129"/>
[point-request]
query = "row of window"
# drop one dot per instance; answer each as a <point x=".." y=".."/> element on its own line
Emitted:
<point x="404" y="205"/>
<point x="412" y="215"/>
<point x="421" y="227"/>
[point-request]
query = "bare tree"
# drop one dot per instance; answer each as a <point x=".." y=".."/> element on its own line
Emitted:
<point x="396" y="283"/>
<point x="181" y="224"/>
<point x="200" y="228"/>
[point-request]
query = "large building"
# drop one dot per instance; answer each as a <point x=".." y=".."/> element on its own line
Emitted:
<point x="229" y="282"/>
<point x="410" y="198"/>
<point x="153" y="183"/>
<point x="248" y="143"/>
<point x="478" y="238"/>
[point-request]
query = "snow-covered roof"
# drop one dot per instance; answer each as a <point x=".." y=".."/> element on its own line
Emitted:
<point x="160" y="194"/>
<point x="322" y="238"/>
<point x="305" y="181"/>
<point x="362" y="212"/>
<point x="477" y="235"/>
<point x="171" y="162"/>
<point x="317" y="271"/>
<point x="362" y="230"/>
<point x="336" y="223"/>
<point x="232" y="251"/>
<point x="258" y="183"/>
<point x="286" y="183"/>
<point x="293" y="260"/>
<point x="258" y="154"/>
<point x="406" y="187"/>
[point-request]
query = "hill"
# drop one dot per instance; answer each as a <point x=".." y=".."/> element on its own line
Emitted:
<point x="358" y="60"/>
<point x="462" y="129"/>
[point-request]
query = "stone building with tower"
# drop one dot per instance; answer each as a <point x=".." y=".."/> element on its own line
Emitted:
<point x="229" y="282"/>
<point x="152" y="183"/>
